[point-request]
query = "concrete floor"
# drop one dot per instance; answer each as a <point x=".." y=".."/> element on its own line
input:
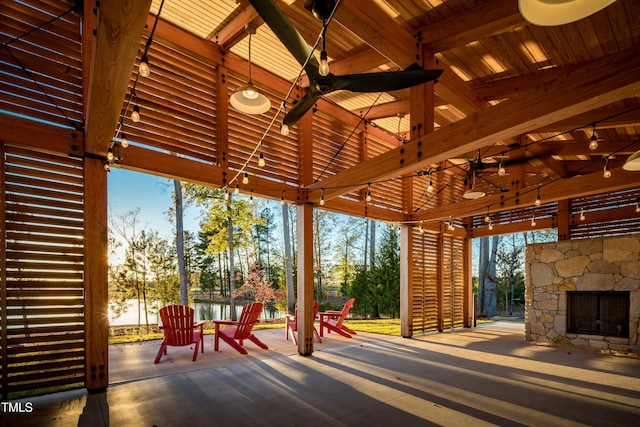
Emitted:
<point x="470" y="377"/>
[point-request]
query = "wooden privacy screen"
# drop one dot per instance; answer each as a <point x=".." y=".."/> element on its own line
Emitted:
<point x="42" y="313"/>
<point x="438" y="282"/>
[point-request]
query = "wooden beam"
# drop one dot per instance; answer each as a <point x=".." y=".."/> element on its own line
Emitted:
<point x="580" y="186"/>
<point x="605" y="119"/>
<point x="304" y="225"/>
<point x="50" y="138"/>
<point x="593" y="86"/>
<point x="235" y="30"/>
<point x="406" y="281"/>
<point x="490" y="18"/>
<point x="358" y="63"/>
<point x="119" y="32"/>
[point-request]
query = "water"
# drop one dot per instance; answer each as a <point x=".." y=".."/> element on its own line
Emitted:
<point x="203" y="311"/>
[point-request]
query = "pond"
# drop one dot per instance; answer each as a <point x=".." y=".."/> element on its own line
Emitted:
<point x="203" y="311"/>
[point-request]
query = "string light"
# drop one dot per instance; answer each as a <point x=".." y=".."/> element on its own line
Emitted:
<point x="430" y="187"/>
<point x="606" y="173"/>
<point x="637" y="207"/>
<point x="245" y="178"/>
<point x="582" y="217"/>
<point x="124" y="141"/>
<point x="538" y="201"/>
<point x="143" y="68"/>
<point x="490" y="225"/>
<point x="322" y="197"/>
<point x="226" y="194"/>
<point x="487" y="218"/>
<point x="237" y="189"/>
<point x="282" y="199"/>
<point x="450" y="226"/>
<point x="533" y="220"/>
<point x="368" y="198"/>
<point x="107" y="166"/>
<point x="110" y="154"/>
<point x="284" y="129"/>
<point x="135" y="114"/>
<point x="261" y="161"/>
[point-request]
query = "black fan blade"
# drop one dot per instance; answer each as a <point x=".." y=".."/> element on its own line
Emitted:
<point x="384" y="81"/>
<point x="275" y="18"/>
<point x="300" y="108"/>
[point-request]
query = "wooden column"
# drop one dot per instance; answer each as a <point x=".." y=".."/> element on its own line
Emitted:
<point x="305" y="279"/>
<point x="96" y="284"/>
<point x="468" y="284"/>
<point x="406" y="283"/>
<point x="305" y="240"/>
<point x="564" y="219"/>
<point x="439" y="280"/>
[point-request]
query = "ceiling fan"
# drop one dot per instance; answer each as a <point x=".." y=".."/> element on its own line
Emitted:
<point x="319" y="84"/>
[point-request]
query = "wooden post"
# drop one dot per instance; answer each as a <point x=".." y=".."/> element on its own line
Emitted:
<point x="468" y="283"/>
<point x="305" y="279"/>
<point x="96" y="297"/>
<point x="406" y="284"/>
<point x="564" y="219"/>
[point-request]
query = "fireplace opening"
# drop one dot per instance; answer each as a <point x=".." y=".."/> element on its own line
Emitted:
<point x="598" y="313"/>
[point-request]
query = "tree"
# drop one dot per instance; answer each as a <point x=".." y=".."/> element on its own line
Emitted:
<point x="184" y="284"/>
<point x="256" y="288"/>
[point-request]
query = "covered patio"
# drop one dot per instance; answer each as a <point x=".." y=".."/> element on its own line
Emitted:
<point x="486" y="375"/>
<point x="529" y="127"/>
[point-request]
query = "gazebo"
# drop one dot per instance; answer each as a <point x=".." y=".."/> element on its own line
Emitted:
<point x="531" y="125"/>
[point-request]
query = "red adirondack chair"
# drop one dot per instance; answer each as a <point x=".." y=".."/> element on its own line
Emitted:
<point x="180" y="330"/>
<point x="332" y="320"/>
<point x="292" y="324"/>
<point x="240" y="330"/>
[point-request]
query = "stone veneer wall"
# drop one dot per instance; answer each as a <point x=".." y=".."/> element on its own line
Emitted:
<point x="600" y="264"/>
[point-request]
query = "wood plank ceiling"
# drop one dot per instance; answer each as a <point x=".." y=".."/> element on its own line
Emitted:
<point x="532" y="97"/>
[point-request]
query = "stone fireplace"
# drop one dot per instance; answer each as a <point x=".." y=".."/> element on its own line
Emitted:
<point x="584" y="293"/>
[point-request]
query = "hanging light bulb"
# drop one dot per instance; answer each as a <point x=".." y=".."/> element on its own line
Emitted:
<point x="107" y="166"/>
<point x="582" y="217"/>
<point x="368" y="198"/>
<point x="533" y="220"/>
<point x="124" y="141"/>
<point x="430" y="187"/>
<point x="251" y="199"/>
<point x="593" y="143"/>
<point x="637" y="207"/>
<point x="261" y="161"/>
<point x="143" y="68"/>
<point x="284" y="129"/>
<point x="322" y="197"/>
<point x="538" y="201"/>
<point x="237" y="189"/>
<point x="323" y="68"/>
<point x="135" y="114"/>
<point x="606" y="173"/>
<point x="490" y="225"/>
<point x="450" y="225"/>
<point x="421" y="228"/>
<point x="226" y="194"/>
<point x="282" y="199"/>
<point x="245" y="178"/>
<point x="487" y="218"/>
<point x="110" y="154"/>
<point x="501" y="170"/>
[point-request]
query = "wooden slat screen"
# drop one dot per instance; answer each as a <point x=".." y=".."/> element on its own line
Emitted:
<point x="425" y="304"/>
<point x="43" y="278"/>
<point x="37" y="82"/>
<point x="177" y="104"/>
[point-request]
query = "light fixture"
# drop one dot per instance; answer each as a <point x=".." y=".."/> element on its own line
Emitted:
<point x="237" y="189"/>
<point x="135" y="114"/>
<point x="226" y="194"/>
<point x="491" y="226"/>
<point x="533" y="220"/>
<point x="487" y="218"/>
<point x="245" y="178"/>
<point x="633" y="162"/>
<point x="450" y="225"/>
<point x="637" y="207"/>
<point x="368" y="198"/>
<point x="282" y="199"/>
<point x="593" y="144"/>
<point x="110" y="154"/>
<point x="124" y="141"/>
<point x="582" y="217"/>
<point x="472" y="193"/>
<point x="559" y="12"/>
<point x="501" y="170"/>
<point x="284" y="129"/>
<point x="261" y="161"/>
<point x="248" y="99"/>
<point x="322" y="197"/>
<point x="430" y="187"/>
<point x="323" y="69"/>
<point x="107" y="166"/>
<point x="606" y="173"/>
<point x="538" y="201"/>
<point x="143" y="68"/>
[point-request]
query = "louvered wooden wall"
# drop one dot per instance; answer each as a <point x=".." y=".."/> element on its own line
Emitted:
<point x="42" y="276"/>
<point x="439" y="283"/>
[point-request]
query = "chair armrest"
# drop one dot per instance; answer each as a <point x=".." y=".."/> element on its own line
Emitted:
<point x="225" y="322"/>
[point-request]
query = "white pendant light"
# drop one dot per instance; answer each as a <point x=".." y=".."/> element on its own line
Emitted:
<point x="633" y="162"/>
<point x="473" y="193"/>
<point x="559" y="12"/>
<point x="248" y="99"/>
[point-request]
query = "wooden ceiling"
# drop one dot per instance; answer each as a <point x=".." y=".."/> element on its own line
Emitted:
<point x="530" y="96"/>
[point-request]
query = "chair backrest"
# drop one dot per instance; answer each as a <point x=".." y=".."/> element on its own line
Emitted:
<point x="177" y="324"/>
<point x="248" y="318"/>
<point x="316" y="309"/>
<point x="345" y="311"/>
